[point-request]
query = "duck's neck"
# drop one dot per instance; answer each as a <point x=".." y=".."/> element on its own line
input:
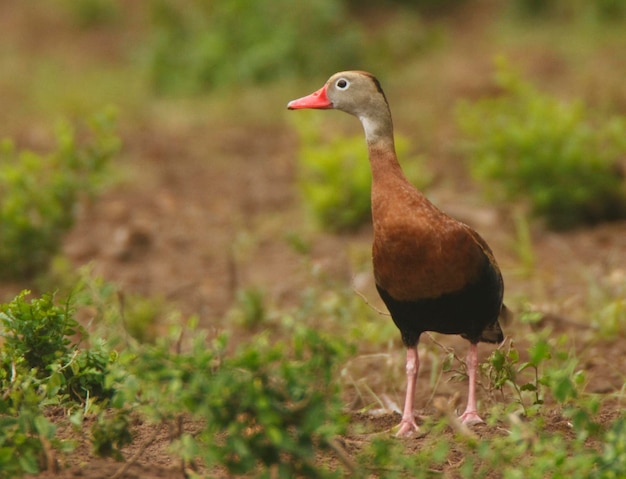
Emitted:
<point x="377" y="124"/>
<point x="378" y="128"/>
<point x="381" y="150"/>
<point x="383" y="161"/>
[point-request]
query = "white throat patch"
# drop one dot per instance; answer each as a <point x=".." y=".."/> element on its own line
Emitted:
<point x="369" y="127"/>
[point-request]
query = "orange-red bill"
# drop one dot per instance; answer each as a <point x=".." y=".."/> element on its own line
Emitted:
<point x="317" y="100"/>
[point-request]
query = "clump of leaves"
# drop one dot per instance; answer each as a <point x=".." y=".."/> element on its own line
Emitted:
<point x="39" y="193"/>
<point x="503" y="367"/>
<point x="335" y="178"/>
<point x="41" y="364"/>
<point x="110" y="433"/>
<point x="251" y="309"/>
<point x="37" y="333"/>
<point x="612" y="461"/>
<point x="272" y="415"/>
<point x="41" y="338"/>
<point x="26" y="435"/>
<point x="527" y="146"/>
<point x="265" y="407"/>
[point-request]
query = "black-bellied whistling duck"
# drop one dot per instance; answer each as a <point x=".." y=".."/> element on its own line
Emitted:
<point x="433" y="272"/>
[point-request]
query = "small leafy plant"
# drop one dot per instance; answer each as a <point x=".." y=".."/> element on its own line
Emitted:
<point x="41" y="338"/>
<point x="41" y="364"/>
<point x="36" y="334"/>
<point x="526" y="146"/>
<point x="39" y="193"/>
<point x="110" y="433"/>
<point x="251" y="309"/>
<point x="262" y="407"/>
<point x="27" y="437"/>
<point x="503" y="367"/>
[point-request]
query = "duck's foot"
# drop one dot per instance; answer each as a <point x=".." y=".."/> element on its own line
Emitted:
<point x="407" y="428"/>
<point x="470" y="417"/>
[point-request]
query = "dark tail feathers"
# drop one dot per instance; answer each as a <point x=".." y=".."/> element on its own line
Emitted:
<point x="493" y="333"/>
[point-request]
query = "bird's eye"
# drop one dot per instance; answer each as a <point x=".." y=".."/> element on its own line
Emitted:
<point x="342" y="84"/>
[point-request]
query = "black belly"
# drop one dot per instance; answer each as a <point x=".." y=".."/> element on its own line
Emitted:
<point x="467" y="312"/>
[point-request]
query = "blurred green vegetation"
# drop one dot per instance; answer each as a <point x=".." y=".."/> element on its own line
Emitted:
<point x="525" y="145"/>
<point x="334" y="180"/>
<point x="39" y="193"/>
<point x="202" y="44"/>
<point x="93" y="13"/>
<point x="597" y="10"/>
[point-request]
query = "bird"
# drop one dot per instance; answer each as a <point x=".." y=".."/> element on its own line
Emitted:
<point x="433" y="272"/>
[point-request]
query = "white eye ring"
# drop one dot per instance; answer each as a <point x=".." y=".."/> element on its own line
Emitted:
<point x="342" y="84"/>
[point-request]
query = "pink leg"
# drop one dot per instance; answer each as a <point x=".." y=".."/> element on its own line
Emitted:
<point x="470" y="416"/>
<point x="407" y="425"/>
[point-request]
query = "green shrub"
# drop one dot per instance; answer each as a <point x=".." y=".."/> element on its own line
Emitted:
<point x="41" y="338"/>
<point x="26" y="435"/>
<point x="110" y="433"/>
<point x="525" y="145"/>
<point x="612" y="462"/>
<point x="198" y="45"/>
<point x="36" y="334"/>
<point x="40" y="365"/>
<point x="251" y="310"/>
<point x="335" y="179"/>
<point x="264" y="407"/>
<point x="273" y="408"/>
<point x="273" y="414"/>
<point x="535" y="8"/>
<point x="140" y="315"/>
<point x="609" y="10"/>
<point x="39" y="194"/>
<point x="335" y="182"/>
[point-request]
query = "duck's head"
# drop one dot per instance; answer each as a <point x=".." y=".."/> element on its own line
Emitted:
<point x="354" y="92"/>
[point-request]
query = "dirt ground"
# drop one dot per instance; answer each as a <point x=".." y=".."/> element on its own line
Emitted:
<point x="203" y="214"/>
